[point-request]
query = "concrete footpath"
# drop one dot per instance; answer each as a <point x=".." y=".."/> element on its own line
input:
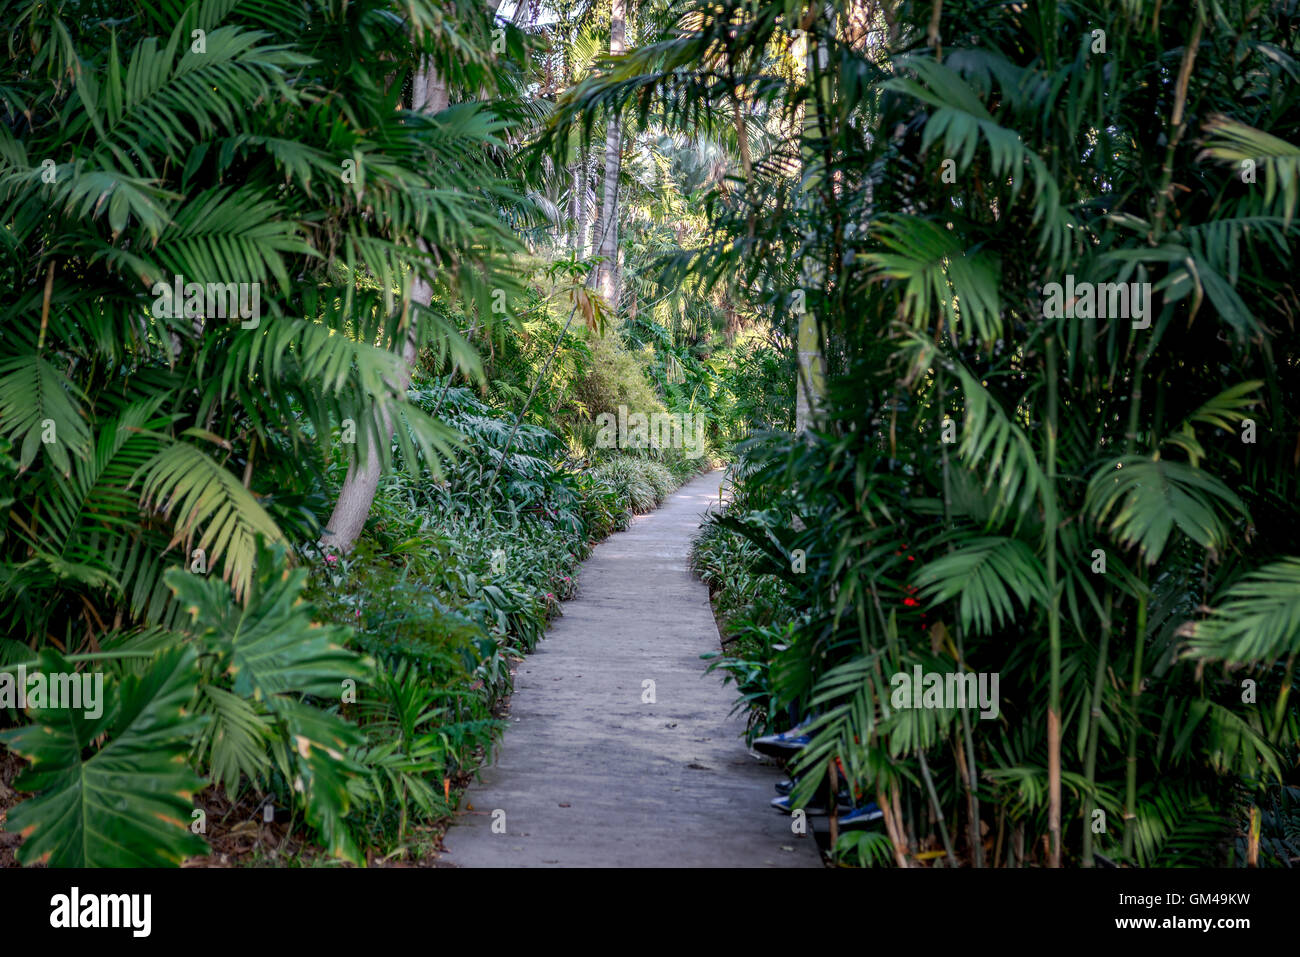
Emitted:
<point x="592" y="773"/>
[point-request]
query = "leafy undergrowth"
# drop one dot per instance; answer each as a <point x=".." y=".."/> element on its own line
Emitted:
<point x="754" y="615"/>
<point x="337" y="713"/>
<point x="456" y="581"/>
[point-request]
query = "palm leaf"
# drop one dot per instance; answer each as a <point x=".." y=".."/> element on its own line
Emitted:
<point x="986" y="573"/>
<point x="1257" y="619"/>
<point x="1146" y="499"/>
<point x="37" y="403"/>
<point x="196" y="492"/>
<point x="124" y="802"/>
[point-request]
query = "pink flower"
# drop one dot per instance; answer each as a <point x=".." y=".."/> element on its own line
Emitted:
<point x="550" y="597"/>
<point x="331" y="559"/>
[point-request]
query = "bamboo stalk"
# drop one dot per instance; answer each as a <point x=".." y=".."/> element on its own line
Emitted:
<point x="1053" y="620"/>
<point x="45" y="306"/>
<point x="1002" y="828"/>
<point x="1252" y="841"/>
<point x="1279" y="711"/>
<point x="896" y="795"/>
<point x="938" y="811"/>
<point x="971" y="776"/>
<point x="892" y="825"/>
<point x="969" y="773"/>
<point x="1094" y="727"/>
<point x="1135" y="692"/>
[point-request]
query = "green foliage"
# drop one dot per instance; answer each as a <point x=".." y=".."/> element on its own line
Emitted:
<point x="614" y="377"/>
<point x="113" y="790"/>
<point x="129" y="158"/>
<point x="267" y="653"/>
<point x="1149" y="499"/>
<point x="1256" y="620"/>
<point x="142" y="134"/>
<point x="1117" y="507"/>
<point x="641" y="483"/>
<point x="985" y="574"/>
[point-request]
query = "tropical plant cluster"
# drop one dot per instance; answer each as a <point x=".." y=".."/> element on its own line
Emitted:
<point x="1099" y="507"/>
<point x="171" y="476"/>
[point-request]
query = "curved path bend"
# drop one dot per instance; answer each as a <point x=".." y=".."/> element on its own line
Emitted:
<point x="589" y="774"/>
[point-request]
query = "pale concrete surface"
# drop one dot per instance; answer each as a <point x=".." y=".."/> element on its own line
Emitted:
<point x="588" y="775"/>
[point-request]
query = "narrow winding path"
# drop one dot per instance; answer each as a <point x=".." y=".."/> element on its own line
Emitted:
<point x="589" y="775"/>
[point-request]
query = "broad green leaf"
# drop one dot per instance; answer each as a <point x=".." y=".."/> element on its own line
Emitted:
<point x="125" y="802"/>
<point x="269" y="645"/>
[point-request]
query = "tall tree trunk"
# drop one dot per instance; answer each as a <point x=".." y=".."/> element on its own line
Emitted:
<point x="811" y="382"/>
<point x="525" y="12"/>
<point x="357" y="494"/>
<point x="1094" y="732"/>
<point x="577" y="206"/>
<point x="607" y="280"/>
<point x="592" y="212"/>
<point x="359" y="486"/>
<point x="571" y="230"/>
<point x="584" y="210"/>
<point x="429" y="93"/>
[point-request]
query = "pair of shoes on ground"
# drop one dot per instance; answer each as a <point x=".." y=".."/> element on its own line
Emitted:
<point x="815" y="807"/>
<point x="850" y="818"/>
<point x="784" y="745"/>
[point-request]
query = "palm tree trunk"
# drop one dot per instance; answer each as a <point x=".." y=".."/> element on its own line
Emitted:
<point x="528" y="7"/>
<point x="607" y="278"/>
<point x="970" y="779"/>
<point x="429" y="92"/>
<point x="357" y="494"/>
<point x="571" y="219"/>
<point x="893" y="822"/>
<point x="811" y="377"/>
<point x="581" y="240"/>
<point x="1140" y="635"/>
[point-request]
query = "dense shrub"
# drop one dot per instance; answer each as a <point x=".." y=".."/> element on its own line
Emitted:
<point x="639" y="481"/>
<point x="614" y="376"/>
